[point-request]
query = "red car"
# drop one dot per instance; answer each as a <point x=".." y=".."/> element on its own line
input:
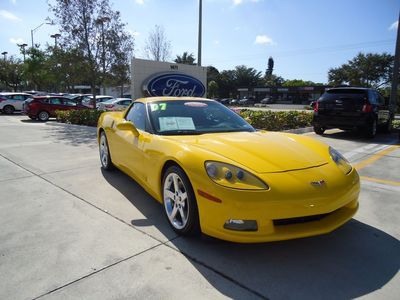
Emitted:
<point x="44" y="107"/>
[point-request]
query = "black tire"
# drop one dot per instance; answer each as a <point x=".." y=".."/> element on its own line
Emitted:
<point x="172" y="201"/>
<point x="43" y="116"/>
<point x="319" y="129"/>
<point x="371" y="129"/>
<point x="387" y="128"/>
<point x="8" y="109"/>
<point x="104" y="151"/>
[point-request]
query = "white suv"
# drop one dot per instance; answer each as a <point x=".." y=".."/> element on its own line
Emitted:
<point x="10" y="102"/>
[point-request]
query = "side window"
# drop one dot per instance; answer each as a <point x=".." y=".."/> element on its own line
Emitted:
<point x="137" y="115"/>
<point x="56" y="101"/>
<point x="69" y="102"/>
<point x="18" y="97"/>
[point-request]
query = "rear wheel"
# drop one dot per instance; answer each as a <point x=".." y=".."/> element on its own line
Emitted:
<point x="43" y="116"/>
<point x="8" y="109"/>
<point x="180" y="204"/>
<point x="370" y="131"/>
<point x="319" y="129"/>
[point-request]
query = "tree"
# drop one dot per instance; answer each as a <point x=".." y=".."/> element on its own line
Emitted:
<point x="300" y="82"/>
<point x="248" y="77"/>
<point x="157" y="46"/>
<point x="367" y="70"/>
<point x="11" y="73"/>
<point x="212" y="74"/>
<point x="186" y="58"/>
<point x="212" y="89"/>
<point x="270" y="68"/>
<point x="226" y="83"/>
<point x="36" y="69"/>
<point x="94" y="28"/>
<point x="274" y="80"/>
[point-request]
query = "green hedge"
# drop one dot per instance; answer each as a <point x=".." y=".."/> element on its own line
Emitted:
<point x="268" y="120"/>
<point x="88" y="117"/>
<point x="277" y="120"/>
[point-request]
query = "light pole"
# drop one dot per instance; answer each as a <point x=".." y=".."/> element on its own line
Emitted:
<point x="22" y="46"/>
<point x="34" y="29"/>
<point x="396" y="67"/>
<point x="4" y="54"/>
<point x="199" y="46"/>
<point x="55" y="37"/>
<point x="101" y="21"/>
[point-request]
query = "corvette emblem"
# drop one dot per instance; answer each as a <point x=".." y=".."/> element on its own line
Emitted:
<point x="318" y="183"/>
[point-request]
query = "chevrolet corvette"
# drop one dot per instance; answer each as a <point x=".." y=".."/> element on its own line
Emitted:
<point x="215" y="174"/>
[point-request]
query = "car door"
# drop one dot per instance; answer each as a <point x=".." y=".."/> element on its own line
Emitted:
<point x="129" y="148"/>
<point x="17" y="101"/>
<point x="55" y="103"/>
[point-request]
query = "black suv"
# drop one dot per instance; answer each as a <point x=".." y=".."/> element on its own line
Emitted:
<point x="350" y="107"/>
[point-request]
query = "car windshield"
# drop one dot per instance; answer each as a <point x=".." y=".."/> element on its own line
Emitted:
<point x="182" y="117"/>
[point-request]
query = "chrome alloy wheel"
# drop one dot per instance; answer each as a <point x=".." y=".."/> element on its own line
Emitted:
<point x="103" y="151"/>
<point x="176" y="201"/>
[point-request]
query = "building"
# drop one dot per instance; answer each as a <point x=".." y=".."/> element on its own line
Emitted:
<point x="291" y="94"/>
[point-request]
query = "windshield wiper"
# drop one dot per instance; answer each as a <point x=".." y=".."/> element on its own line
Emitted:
<point x="181" y="132"/>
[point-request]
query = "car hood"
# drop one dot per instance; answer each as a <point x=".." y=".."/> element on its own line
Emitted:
<point x="263" y="152"/>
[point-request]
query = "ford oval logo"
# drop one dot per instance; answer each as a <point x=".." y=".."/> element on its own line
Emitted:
<point x="175" y="85"/>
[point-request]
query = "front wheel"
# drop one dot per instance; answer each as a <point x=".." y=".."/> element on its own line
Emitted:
<point x="104" y="151"/>
<point x="370" y="131"/>
<point x="180" y="205"/>
<point x="319" y="129"/>
<point x="43" y="116"/>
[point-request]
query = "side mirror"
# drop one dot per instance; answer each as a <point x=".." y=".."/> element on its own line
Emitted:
<point x="127" y="125"/>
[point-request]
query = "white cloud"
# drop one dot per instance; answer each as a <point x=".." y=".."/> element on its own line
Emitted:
<point x="264" y="40"/>
<point x="16" y="40"/>
<point x="216" y="42"/>
<point x="238" y="2"/>
<point x="133" y="32"/>
<point x="9" y="16"/>
<point x="140" y="2"/>
<point x="13" y="1"/>
<point x="394" y="25"/>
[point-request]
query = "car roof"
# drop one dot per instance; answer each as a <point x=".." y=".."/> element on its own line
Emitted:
<point x="14" y="93"/>
<point x="153" y="99"/>
<point x="349" y="88"/>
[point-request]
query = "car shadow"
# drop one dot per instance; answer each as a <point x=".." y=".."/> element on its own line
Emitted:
<point x="380" y="138"/>
<point x="350" y="262"/>
<point x="71" y="134"/>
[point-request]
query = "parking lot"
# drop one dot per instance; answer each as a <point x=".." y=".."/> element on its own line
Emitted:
<point x="71" y="231"/>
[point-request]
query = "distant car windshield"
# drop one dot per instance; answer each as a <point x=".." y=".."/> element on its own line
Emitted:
<point x="343" y="94"/>
<point x="194" y="117"/>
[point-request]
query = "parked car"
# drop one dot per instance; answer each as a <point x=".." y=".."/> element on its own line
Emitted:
<point x="348" y="108"/>
<point x="247" y="101"/>
<point x="226" y="101"/>
<point x="214" y="173"/>
<point x="267" y="100"/>
<point x="115" y="104"/>
<point x="87" y="100"/>
<point x="44" y="107"/>
<point x="10" y="102"/>
<point x="234" y="102"/>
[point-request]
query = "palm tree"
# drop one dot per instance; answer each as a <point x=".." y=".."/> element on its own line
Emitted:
<point x="186" y="58"/>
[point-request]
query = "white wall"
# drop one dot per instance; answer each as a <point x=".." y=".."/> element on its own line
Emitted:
<point x="143" y="69"/>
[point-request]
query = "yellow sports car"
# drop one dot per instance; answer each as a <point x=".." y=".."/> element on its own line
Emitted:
<point x="214" y="173"/>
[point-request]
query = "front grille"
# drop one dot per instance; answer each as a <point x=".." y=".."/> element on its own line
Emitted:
<point x="297" y="220"/>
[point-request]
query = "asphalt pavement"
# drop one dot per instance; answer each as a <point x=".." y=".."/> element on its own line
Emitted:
<point x="71" y="231"/>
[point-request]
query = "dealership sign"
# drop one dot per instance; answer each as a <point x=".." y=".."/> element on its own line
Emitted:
<point x="174" y="85"/>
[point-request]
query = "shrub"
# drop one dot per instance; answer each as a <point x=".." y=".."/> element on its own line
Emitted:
<point x="88" y="117"/>
<point x="277" y="120"/>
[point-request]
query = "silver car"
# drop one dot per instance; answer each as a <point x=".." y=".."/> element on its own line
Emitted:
<point x="115" y="104"/>
<point x="10" y="102"/>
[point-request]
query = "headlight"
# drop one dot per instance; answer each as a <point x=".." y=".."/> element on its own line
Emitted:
<point x="233" y="177"/>
<point x="340" y="161"/>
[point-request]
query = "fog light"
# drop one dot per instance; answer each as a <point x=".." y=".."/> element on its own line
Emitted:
<point x="241" y="225"/>
<point x="228" y="175"/>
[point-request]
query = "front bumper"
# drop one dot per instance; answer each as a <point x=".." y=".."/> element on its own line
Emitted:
<point x="280" y="211"/>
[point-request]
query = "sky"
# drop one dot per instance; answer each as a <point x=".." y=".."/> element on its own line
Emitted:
<point x="305" y="37"/>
